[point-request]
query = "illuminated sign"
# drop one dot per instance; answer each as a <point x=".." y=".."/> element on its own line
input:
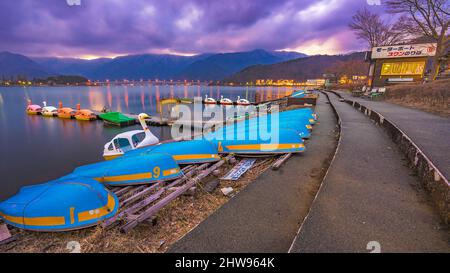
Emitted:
<point x="403" y="68"/>
<point x="403" y="51"/>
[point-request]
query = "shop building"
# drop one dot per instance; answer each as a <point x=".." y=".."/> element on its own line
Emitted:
<point x="400" y="63"/>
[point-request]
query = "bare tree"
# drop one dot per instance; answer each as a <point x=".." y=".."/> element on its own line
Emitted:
<point x="429" y="18"/>
<point x="371" y="28"/>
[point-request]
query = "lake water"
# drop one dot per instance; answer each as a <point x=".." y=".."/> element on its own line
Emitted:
<point x="35" y="149"/>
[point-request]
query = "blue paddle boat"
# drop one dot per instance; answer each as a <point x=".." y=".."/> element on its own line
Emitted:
<point x="303" y="119"/>
<point x="257" y="129"/>
<point x="67" y="203"/>
<point x="298" y="94"/>
<point x="299" y="120"/>
<point x="184" y="152"/>
<point x="308" y="112"/>
<point x="132" y="170"/>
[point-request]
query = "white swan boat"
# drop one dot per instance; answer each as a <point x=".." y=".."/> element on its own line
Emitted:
<point x="209" y="100"/>
<point x="130" y="140"/>
<point x="49" y="111"/>
<point x="225" y="101"/>
<point x="240" y="101"/>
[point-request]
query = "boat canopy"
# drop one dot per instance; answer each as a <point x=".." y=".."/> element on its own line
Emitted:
<point x="116" y="117"/>
<point x="86" y="112"/>
<point x="33" y="108"/>
<point x="300" y="111"/>
<point x="66" y="110"/>
<point x="184" y="152"/>
<point x="125" y="142"/>
<point x="67" y="203"/>
<point x="133" y="170"/>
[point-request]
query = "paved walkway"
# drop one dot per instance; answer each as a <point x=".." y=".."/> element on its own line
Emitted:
<point x="430" y="132"/>
<point x="369" y="194"/>
<point x="266" y="215"/>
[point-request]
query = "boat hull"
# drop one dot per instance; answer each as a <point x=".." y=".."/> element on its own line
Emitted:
<point x="111" y="157"/>
<point x="183" y="152"/>
<point x="253" y="148"/>
<point x="288" y="141"/>
<point x="33" y="113"/>
<point x="46" y="114"/>
<point x="83" y="118"/>
<point x="65" y="116"/>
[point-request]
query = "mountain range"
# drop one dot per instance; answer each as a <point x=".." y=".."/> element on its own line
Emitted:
<point x="208" y="66"/>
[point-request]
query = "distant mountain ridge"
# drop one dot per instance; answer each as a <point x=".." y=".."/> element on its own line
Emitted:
<point x="209" y="66"/>
<point x="135" y="67"/>
<point x="219" y="66"/>
<point x="310" y="67"/>
<point x="69" y="66"/>
<point x="16" y="65"/>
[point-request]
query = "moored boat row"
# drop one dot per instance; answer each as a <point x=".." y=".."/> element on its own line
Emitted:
<point x="60" y="112"/>
<point x="226" y="101"/>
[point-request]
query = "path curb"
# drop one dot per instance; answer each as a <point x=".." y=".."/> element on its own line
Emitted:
<point x="339" y="125"/>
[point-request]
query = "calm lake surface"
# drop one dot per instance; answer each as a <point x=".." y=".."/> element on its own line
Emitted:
<point x="35" y="149"/>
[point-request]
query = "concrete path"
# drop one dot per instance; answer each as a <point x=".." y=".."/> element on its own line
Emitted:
<point x="266" y="215"/>
<point x="430" y="132"/>
<point x="369" y="194"/>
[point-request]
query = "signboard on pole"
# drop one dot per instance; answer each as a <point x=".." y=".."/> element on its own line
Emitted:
<point x="404" y="51"/>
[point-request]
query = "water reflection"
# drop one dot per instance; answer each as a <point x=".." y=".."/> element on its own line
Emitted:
<point x="96" y="99"/>
<point x="142" y="97"/>
<point x="109" y="96"/>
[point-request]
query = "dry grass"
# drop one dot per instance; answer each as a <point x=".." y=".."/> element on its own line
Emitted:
<point x="156" y="235"/>
<point x="433" y="97"/>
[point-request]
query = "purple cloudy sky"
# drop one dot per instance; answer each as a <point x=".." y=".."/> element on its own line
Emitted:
<point x="118" y="27"/>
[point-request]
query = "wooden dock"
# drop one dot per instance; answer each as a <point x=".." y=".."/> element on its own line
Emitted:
<point x="153" y="120"/>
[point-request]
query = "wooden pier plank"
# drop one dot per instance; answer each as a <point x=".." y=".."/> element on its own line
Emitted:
<point x="166" y="200"/>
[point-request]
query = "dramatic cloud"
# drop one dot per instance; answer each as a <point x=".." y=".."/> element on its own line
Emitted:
<point x="117" y="27"/>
